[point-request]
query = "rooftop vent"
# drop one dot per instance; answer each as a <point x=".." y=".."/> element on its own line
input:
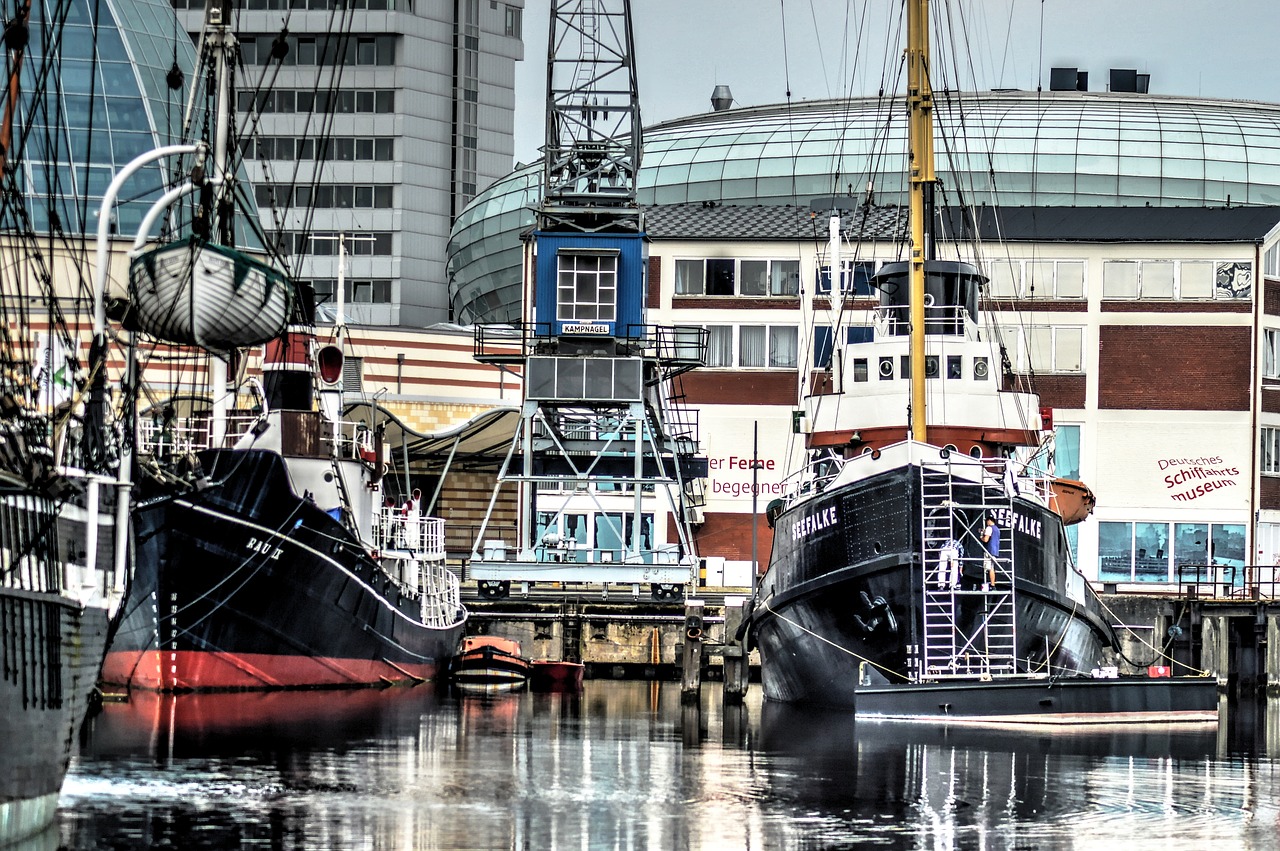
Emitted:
<point x="1129" y="80"/>
<point x="721" y="98"/>
<point x="1068" y="80"/>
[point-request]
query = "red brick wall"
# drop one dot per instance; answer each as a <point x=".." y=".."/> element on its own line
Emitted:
<point x="733" y="302"/>
<point x="1271" y="396"/>
<point x="1027" y="304"/>
<point x="1269" y="492"/>
<point x="729" y="535"/>
<point x="1177" y="307"/>
<point x="725" y="387"/>
<point x="1271" y="297"/>
<point x="654" y="294"/>
<point x="1061" y="391"/>
<point x="1195" y="368"/>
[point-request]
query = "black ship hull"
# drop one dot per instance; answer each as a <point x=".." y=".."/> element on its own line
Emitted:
<point x="843" y="601"/>
<point x="51" y="648"/>
<point x="246" y="585"/>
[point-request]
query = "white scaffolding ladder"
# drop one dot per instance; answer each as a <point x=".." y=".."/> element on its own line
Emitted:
<point x="971" y="630"/>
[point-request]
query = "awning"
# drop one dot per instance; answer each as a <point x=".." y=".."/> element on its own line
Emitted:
<point x="480" y="443"/>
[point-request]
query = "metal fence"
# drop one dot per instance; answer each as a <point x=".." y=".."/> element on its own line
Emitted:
<point x="1227" y="581"/>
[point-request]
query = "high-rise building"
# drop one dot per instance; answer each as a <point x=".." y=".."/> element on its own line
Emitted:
<point x="373" y="121"/>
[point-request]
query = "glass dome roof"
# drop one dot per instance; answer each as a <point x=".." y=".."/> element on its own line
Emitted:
<point x="999" y="148"/>
<point x="99" y="101"/>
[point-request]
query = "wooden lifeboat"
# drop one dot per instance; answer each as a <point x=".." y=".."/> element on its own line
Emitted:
<point x="199" y="293"/>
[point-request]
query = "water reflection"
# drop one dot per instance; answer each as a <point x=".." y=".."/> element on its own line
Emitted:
<point x="625" y="765"/>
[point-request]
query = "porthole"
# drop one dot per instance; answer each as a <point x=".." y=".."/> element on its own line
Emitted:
<point x="976" y="451"/>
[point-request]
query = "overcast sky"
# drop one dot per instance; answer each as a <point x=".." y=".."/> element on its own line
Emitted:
<point x="760" y="48"/>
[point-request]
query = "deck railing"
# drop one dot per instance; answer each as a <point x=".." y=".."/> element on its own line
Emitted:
<point x="421" y="537"/>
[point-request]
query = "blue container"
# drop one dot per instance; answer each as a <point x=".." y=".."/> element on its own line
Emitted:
<point x="589" y="284"/>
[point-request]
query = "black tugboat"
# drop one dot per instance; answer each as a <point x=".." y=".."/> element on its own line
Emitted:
<point x="883" y="582"/>
<point x="266" y="555"/>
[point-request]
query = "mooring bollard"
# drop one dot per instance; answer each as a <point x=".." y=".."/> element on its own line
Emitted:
<point x="691" y="682"/>
<point x="735" y="654"/>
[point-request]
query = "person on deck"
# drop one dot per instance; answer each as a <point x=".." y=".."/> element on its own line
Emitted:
<point x="949" y="565"/>
<point x="991" y="543"/>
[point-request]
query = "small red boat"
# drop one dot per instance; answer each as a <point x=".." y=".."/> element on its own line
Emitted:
<point x="557" y="676"/>
<point x="490" y="663"/>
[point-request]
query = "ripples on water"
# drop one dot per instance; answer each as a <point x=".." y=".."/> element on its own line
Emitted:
<point x="625" y="766"/>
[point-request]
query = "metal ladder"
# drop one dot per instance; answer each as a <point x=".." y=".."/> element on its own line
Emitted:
<point x="971" y="632"/>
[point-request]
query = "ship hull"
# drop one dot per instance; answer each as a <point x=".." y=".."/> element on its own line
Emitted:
<point x="843" y="600"/>
<point x="51" y="648"/>
<point x="245" y="585"/>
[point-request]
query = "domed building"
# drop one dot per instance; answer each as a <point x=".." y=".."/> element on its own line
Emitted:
<point x="102" y="100"/>
<point x="1151" y="334"/>
<point x="1081" y="149"/>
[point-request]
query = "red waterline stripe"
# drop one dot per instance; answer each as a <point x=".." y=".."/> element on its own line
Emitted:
<point x="192" y="669"/>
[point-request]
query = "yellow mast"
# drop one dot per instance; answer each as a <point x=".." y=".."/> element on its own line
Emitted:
<point x="920" y="133"/>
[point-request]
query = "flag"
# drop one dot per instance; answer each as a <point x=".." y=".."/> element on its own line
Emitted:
<point x="53" y="373"/>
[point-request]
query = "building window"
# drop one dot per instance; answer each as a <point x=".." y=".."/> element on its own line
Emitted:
<point x="822" y="341"/>
<point x="512" y="24"/>
<point x="1045" y="348"/>
<point x="1053" y="279"/>
<point x="772" y="346"/>
<point x="855" y="278"/>
<point x="1233" y="280"/>
<point x="587" y="287"/>
<point x="720" y="345"/>
<point x="726" y="276"/>
<point x="1271" y="261"/>
<point x="1270" y="454"/>
<point x="1147" y="552"/>
<point x="1066" y="451"/>
<point x="1187" y="280"/>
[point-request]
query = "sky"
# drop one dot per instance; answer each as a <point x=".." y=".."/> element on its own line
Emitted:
<point x="763" y="48"/>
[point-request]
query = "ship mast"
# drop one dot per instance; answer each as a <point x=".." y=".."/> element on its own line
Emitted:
<point x="920" y="132"/>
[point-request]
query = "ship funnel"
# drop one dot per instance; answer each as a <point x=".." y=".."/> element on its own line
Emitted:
<point x="721" y="98"/>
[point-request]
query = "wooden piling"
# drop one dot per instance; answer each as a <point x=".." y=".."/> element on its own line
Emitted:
<point x="735" y="654"/>
<point x="1273" y="655"/>
<point x="1215" y="647"/>
<point x="691" y="679"/>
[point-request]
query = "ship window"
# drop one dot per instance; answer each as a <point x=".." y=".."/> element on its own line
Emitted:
<point x="906" y="366"/>
<point x="975" y="451"/>
<point x="955" y="366"/>
<point x="587" y="286"/>
<point x="931" y="366"/>
<point x="980" y="368"/>
<point x="859" y="369"/>
<point x="886" y="369"/>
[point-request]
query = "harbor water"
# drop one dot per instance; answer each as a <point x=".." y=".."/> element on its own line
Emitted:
<point x="625" y="766"/>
